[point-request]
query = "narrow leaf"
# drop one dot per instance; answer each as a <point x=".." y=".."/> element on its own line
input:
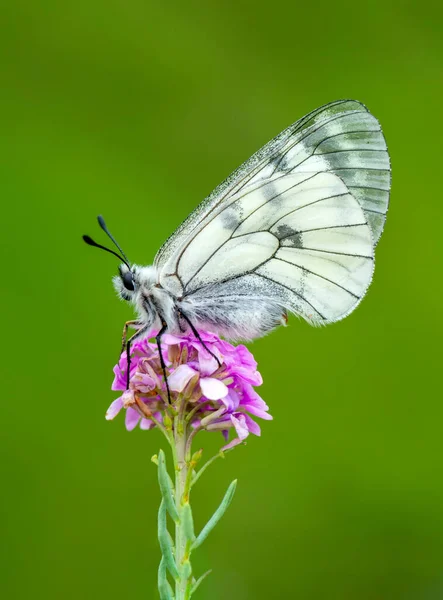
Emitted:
<point x="188" y="522"/>
<point x="216" y="516"/>
<point x="199" y="580"/>
<point x="166" y="486"/>
<point x="165" y="541"/>
<point x="186" y="570"/>
<point x="164" y="587"/>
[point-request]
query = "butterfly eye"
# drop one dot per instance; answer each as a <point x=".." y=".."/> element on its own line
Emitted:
<point x="128" y="281"/>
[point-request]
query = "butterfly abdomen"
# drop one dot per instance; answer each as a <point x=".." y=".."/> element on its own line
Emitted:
<point x="235" y="317"/>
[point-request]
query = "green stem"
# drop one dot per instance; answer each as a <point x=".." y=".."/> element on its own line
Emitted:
<point x="192" y="412"/>
<point x="181" y="475"/>
<point x="176" y="553"/>
<point x="188" y="445"/>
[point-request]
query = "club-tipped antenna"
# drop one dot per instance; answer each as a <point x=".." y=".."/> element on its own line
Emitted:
<point x="88" y="240"/>
<point x="102" y="224"/>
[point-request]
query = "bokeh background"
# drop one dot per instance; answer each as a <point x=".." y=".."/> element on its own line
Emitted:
<point x="136" y="110"/>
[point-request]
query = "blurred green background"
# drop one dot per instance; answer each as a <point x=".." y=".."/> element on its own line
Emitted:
<point x="136" y="110"/>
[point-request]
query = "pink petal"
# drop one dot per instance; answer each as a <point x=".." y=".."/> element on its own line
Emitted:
<point x="232" y="444"/>
<point x="252" y="403"/>
<point x="114" y="409"/>
<point x="231" y="400"/>
<point x="146" y="424"/>
<point x="240" y="426"/>
<point x="143" y="383"/>
<point x="180" y="378"/>
<point x="206" y="336"/>
<point x="257" y="412"/>
<point x="242" y="430"/>
<point x="119" y="382"/>
<point x="207" y="363"/>
<point x="213" y="389"/>
<point x="128" y="398"/>
<point x="171" y="340"/>
<point x="246" y="357"/>
<point x="132" y="418"/>
<point x="252" y="426"/>
<point x="252" y="377"/>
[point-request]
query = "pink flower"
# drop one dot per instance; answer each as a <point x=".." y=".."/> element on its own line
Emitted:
<point x="221" y="396"/>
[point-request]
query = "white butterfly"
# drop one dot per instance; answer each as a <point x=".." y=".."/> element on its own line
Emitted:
<point x="292" y="230"/>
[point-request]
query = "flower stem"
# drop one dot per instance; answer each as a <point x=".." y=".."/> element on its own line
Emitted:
<point x="181" y="476"/>
<point x="176" y="561"/>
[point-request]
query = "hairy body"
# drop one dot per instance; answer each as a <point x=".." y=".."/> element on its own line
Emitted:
<point x="235" y="317"/>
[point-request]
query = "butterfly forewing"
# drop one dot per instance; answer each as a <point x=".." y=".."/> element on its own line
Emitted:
<point x="343" y="138"/>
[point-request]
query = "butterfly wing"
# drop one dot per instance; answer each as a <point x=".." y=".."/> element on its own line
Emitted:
<point x="342" y="137"/>
<point x="294" y="225"/>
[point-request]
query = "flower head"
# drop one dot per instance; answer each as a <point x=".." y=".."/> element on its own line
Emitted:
<point x="215" y="394"/>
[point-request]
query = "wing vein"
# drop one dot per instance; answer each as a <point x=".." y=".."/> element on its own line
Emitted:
<point x="317" y="275"/>
<point x="293" y="292"/>
<point x="306" y="206"/>
<point x="321" y="124"/>
<point x="340" y="253"/>
<point x="322" y="228"/>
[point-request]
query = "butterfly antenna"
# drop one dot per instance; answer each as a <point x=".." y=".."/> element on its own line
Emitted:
<point x="102" y="224"/>
<point x="88" y="240"/>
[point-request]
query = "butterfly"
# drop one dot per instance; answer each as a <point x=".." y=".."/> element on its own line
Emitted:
<point x="293" y="229"/>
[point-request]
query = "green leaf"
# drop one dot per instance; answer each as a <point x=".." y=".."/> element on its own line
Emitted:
<point x="198" y="582"/>
<point x="164" y="587"/>
<point x="216" y="516"/>
<point x="186" y="570"/>
<point x="165" y="541"/>
<point x="166" y="486"/>
<point x="188" y="522"/>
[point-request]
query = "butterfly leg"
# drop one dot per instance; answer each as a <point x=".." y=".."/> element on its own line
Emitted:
<point x="162" y="361"/>
<point x="197" y="335"/>
<point x="128" y="344"/>
<point x="127" y="325"/>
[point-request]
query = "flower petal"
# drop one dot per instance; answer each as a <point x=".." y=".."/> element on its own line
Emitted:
<point x="142" y="382"/>
<point x="114" y="409"/>
<point x="180" y="378"/>
<point x="128" y="398"/>
<point x="252" y="403"/>
<point x="248" y="375"/>
<point x="231" y="400"/>
<point x="172" y="340"/>
<point x="240" y="426"/>
<point x="253" y="410"/>
<point x="252" y="426"/>
<point x="245" y="357"/>
<point x="213" y="389"/>
<point x="206" y="362"/>
<point x="119" y="382"/>
<point x="131" y="419"/>
<point x="232" y="444"/>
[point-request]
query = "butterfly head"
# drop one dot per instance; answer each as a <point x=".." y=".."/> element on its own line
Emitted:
<point x="125" y="282"/>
